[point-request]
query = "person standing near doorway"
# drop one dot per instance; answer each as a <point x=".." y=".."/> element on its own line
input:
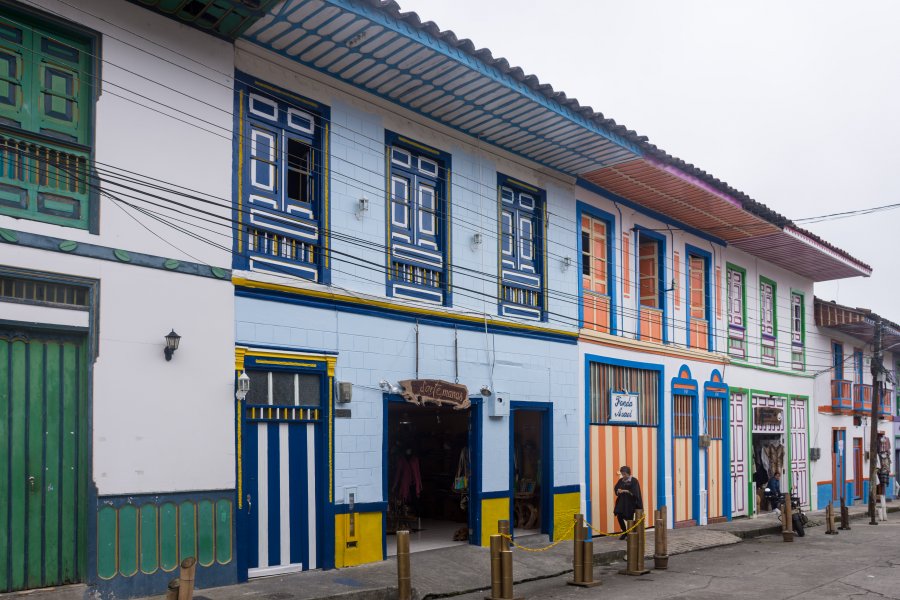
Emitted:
<point x="628" y="498"/>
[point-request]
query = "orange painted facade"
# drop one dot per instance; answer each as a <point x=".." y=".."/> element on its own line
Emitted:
<point x="683" y="479"/>
<point x="611" y="447"/>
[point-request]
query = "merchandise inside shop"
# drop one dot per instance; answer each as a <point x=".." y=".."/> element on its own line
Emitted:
<point x="528" y="450"/>
<point x="768" y="459"/>
<point x="428" y="475"/>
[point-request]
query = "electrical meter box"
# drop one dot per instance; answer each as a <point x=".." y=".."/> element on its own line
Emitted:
<point x="498" y="404"/>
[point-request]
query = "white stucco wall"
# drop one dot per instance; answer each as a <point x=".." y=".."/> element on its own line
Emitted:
<point x="157" y="426"/>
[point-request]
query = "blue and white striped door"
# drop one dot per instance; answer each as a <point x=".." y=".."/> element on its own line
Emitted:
<point x="280" y="484"/>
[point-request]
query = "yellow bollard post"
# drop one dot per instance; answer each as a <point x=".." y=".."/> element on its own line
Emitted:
<point x="632" y="550"/>
<point x="660" y="549"/>
<point x="404" y="579"/>
<point x="496" y="569"/>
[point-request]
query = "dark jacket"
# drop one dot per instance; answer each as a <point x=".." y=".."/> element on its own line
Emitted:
<point x="629" y="499"/>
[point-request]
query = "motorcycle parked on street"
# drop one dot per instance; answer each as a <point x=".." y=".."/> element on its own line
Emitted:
<point x="799" y="520"/>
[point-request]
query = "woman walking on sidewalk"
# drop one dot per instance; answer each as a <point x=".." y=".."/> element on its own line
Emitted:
<point x="628" y="498"/>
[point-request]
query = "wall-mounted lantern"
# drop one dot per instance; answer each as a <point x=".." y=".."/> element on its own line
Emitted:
<point x="172" y="341"/>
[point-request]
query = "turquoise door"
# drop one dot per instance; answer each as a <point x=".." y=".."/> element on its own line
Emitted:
<point x="43" y="459"/>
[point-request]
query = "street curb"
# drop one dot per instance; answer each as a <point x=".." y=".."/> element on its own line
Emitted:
<point x="774" y="529"/>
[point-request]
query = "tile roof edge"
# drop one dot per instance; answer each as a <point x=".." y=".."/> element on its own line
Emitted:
<point x="392" y="9"/>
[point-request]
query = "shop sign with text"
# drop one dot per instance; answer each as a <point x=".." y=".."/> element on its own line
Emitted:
<point x="435" y="391"/>
<point x="623" y="407"/>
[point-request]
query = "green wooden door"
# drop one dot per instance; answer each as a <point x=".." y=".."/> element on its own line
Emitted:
<point x="43" y="459"/>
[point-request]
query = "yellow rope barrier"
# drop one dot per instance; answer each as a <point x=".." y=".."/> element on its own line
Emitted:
<point x="562" y="539"/>
<point x="565" y="535"/>
<point x="607" y="534"/>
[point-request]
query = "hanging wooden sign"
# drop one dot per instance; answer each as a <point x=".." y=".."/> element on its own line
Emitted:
<point x="764" y="415"/>
<point x="435" y="391"/>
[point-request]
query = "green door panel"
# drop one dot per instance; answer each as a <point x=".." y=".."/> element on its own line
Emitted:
<point x="168" y="536"/>
<point x="206" y="533"/>
<point x="107" y="536"/>
<point x="223" y="531"/>
<point x="187" y="530"/>
<point x="43" y="422"/>
<point x="149" y="539"/>
<point x="128" y="540"/>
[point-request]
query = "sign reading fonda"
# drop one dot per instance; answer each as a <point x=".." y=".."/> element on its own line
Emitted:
<point x="623" y="407"/>
<point x="435" y="391"/>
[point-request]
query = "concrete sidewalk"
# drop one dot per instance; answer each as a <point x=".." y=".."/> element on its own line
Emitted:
<point x="465" y="569"/>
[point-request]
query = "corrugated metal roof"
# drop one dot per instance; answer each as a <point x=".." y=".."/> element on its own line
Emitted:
<point x="855" y="322"/>
<point x="374" y="45"/>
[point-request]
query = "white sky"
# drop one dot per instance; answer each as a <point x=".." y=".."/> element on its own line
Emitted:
<point x="794" y="103"/>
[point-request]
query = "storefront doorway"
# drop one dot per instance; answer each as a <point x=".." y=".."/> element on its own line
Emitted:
<point x="857" y="468"/>
<point x="531" y="475"/>
<point x="429" y="474"/>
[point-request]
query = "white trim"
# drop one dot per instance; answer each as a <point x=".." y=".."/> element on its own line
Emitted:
<point x="401" y="201"/>
<point x="408" y="163"/>
<point x="253" y="99"/>
<point x="312" y="121"/>
<point x="269" y="571"/>
<point x="427" y="161"/>
<point x="284" y="489"/>
<point x="439" y="297"/>
<point x="254" y="158"/>
<point x="262" y="490"/>
<point x="311" y="493"/>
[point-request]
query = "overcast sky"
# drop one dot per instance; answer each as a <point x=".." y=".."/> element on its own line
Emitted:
<point x="794" y="103"/>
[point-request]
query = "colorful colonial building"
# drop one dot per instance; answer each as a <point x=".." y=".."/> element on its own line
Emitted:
<point x="844" y="397"/>
<point x="415" y="288"/>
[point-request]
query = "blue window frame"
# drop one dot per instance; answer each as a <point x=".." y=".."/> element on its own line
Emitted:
<point x="522" y="289"/>
<point x="837" y="359"/>
<point x="650" y="269"/>
<point x="417" y="216"/>
<point x="698" y="274"/>
<point x="592" y="283"/>
<point x="281" y="161"/>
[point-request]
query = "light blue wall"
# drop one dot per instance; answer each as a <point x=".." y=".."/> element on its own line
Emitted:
<point x="372" y="348"/>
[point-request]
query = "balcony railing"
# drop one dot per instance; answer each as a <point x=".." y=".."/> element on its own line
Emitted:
<point x="44" y="181"/>
<point x="699" y="334"/>
<point x="651" y="324"/>
<point x="841" y="394"/>
<point x="884" y="407"/>
<point x="862" y="398"/>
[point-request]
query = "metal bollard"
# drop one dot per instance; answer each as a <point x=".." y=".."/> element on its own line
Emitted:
<point x="632" y="552"/>
<point x="404" y="580"/>
<point x="642" y="538"/>
<point x="845" y="516"/>
<point x="660" y="543"/>
<point x="503" y="529"/>
<point x="829" y="520"/>
<point x="506" y="566"/>
<point x="496" y="568"/>
<point x="787" y="528"/>
<point x="631" y="548"/>
<point x="583" y="574"/>
<point x="578" y="560"/>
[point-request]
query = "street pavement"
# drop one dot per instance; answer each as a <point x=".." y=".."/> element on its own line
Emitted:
<point x="863" y="563"/>
<point x="740" y="564"/>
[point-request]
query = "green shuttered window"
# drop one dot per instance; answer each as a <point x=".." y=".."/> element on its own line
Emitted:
<point x="46" y="106"/>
